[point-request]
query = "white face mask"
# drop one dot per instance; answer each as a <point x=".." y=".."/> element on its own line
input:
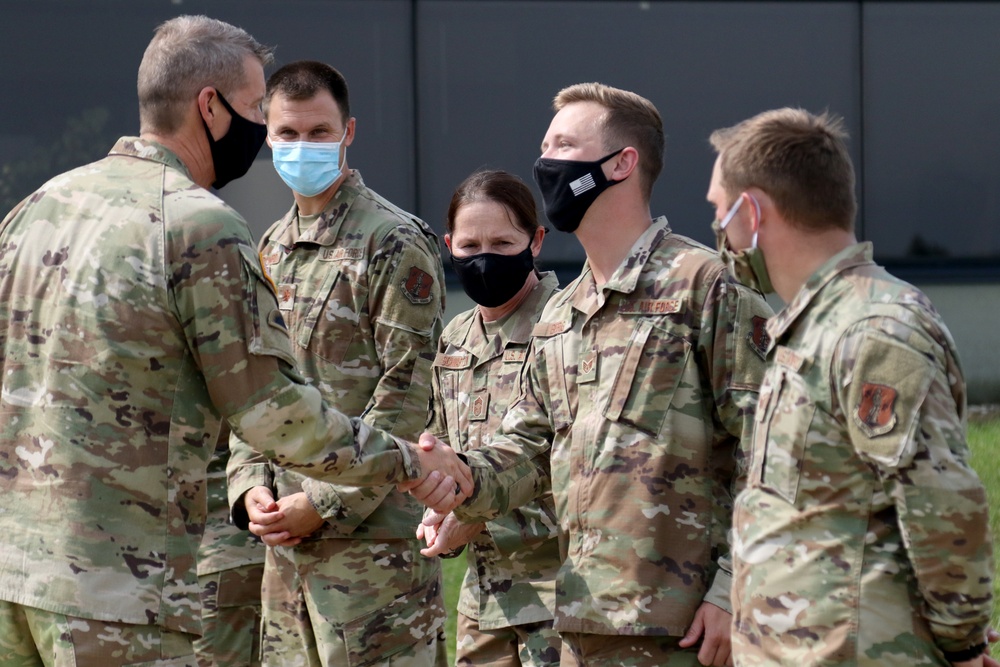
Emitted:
<point x="307" y="167"/>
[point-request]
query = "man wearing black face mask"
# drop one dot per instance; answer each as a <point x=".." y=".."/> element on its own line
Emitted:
<point x="635" y="404"/>
<point x="137" y="320"/>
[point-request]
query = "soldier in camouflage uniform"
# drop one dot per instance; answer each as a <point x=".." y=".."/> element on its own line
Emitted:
<point x="230" y="569"/>
<point x="862" y="537"/>
<point x="508" y="597"/>
<point x="360" y="285"/>
<point x="136" y="319"/>
<point x="644" y="375"/>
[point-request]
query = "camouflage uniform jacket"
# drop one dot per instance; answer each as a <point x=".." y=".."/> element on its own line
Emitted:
<point x="513" y="563"/>
<point x="642" y="389"/>
<point x="362" y="292"/>
<point x="862" y="536"/>
<point x="136" y="317"/>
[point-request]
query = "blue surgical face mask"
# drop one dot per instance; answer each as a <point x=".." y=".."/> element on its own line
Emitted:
<point x="307" y="167"/>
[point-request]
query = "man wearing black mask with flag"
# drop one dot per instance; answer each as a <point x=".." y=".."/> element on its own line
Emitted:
<point x="634" y="405"/>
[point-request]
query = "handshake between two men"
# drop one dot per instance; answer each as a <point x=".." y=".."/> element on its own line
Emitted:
<point x="445" y="482"/>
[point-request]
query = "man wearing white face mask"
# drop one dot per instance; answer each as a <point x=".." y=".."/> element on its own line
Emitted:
<point x="361" y="288"/>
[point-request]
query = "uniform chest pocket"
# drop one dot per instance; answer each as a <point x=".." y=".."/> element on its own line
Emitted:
<point x="647" y="379"/>
<point x="333" y="317"/>
<point x="783" y="431"/>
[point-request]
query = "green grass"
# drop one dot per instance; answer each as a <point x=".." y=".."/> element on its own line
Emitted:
<point x="984" y="441"/>
<point x="453" y="572"/>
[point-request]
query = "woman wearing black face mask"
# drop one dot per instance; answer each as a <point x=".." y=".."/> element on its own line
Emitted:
<point x="494" y="236"/>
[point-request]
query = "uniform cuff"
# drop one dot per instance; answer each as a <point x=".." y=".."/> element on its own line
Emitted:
<point x="719" y="593"/>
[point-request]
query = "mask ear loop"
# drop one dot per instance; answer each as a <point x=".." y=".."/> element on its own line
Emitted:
<point x="732" y="212"/>
<point x="756" y="222"/>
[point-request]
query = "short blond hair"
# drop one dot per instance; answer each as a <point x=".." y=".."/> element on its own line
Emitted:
<point x="186" y="54"/>
<point x="632" y="120"/>
<point x="799" y="159"/>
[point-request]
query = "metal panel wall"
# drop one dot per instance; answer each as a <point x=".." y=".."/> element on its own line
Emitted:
<point x="75" y="62"/>
<point x="932" y="131"/>
<point x="487" y="72"/>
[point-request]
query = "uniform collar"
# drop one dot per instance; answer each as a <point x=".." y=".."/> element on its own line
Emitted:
<point x="626" y="276"/>
<point x="144" y="149"/>
<point x="514" y="329"/>
<point x="858" y="254"/>
<point x="326" y="228"/>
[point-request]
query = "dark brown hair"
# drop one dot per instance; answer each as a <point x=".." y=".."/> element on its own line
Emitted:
<point x="302" y="79"/>
<point x="501" y="187"/>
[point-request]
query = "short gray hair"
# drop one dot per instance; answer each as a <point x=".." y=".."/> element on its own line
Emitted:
<point x="186" y="54"/>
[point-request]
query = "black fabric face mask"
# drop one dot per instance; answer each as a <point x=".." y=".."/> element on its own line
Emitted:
<point x="234" y="153"/>
<point x="492" y="280"/>
<point x="569" y="187"/>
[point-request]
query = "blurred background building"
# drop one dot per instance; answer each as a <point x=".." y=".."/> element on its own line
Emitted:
<point x="443" y="87"/>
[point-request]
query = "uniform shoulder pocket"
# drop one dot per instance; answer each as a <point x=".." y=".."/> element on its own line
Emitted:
<point x="783" y="433"/>
<point x="266" y="332"/>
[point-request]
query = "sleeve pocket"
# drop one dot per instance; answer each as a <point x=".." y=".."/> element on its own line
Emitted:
<point x="785" y="436"/>
<point x="266" y="333"/>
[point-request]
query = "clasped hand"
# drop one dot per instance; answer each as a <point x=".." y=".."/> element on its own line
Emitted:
<point x="446" y="481"/>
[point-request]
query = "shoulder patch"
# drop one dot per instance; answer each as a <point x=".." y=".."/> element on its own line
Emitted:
<point x="888" y="384"/>
<point x="264" y="263"/>
<point x="875" y="414"/>
<point x="758" y="338"/>
<point x="417" y="286"/>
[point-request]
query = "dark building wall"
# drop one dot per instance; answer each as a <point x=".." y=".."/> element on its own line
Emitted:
<point x="442" y="87"/>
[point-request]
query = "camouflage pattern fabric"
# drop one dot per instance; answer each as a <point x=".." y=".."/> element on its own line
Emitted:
<point x="136" y="318"/>
<point x="361" y="288"/>
<point x="862" y="537"/>
<point x="634" y="407"/>
<point x="68" y="641"/>
<point x="230" y="570"/>
<point x="523" y="645"/>
<point x="583" y="650"/>
<point x="510" y="580"/>
<point x="381" y="605"/>
<point x="230" y="617"/>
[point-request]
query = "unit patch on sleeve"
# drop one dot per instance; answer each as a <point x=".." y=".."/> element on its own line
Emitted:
<point x="417" y="286"/>
<point x="758" y="338"/>
<point x="874" y="413"/>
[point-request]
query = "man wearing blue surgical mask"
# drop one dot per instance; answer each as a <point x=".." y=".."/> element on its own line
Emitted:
<point x="361" y="287"/>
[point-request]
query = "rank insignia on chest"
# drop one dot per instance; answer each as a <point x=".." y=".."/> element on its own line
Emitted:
<point x="588" y="368"/>
<point x="417" y="286"/>
<point x="286" y="297"/>
<point x="757" y="339"/>
<point x="479" y="408"/>
<point x="874" y="414"/>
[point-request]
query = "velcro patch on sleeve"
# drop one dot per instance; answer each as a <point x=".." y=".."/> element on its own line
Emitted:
<point x="417" y="286"/>
<point x="888" y="386"/>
